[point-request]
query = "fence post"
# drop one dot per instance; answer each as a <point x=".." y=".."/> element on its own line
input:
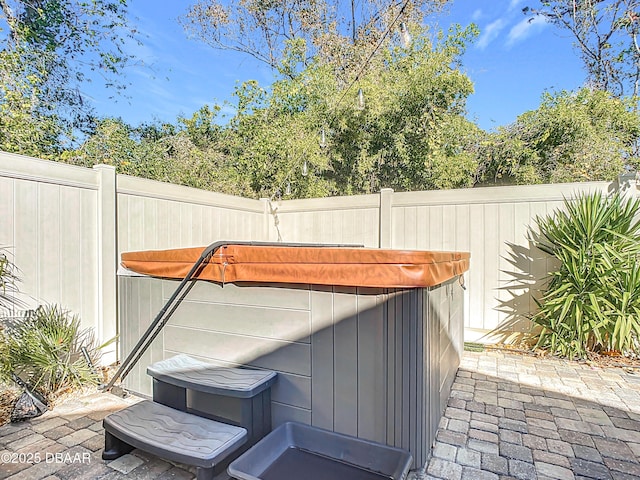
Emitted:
<point x="386" y="202"/>
<point x="107" y="260"/>
<point x="265" y="216"/>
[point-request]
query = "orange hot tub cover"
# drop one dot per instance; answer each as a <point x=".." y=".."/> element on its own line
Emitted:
<point x="357" y="267"/>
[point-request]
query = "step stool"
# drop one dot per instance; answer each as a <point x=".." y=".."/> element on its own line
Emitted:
<point x="171" y="434"/>
<point x="237" y="396"/>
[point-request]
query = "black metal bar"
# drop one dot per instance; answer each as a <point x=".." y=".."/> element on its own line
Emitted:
<point x="87" y="358"/>
<point x="152" y="335"/>
<point x="160" y="320"/>
<point x="141" y="342"/>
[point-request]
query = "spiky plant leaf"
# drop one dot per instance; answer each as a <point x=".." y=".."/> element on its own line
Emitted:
<point x="592" y="300"/>
<point x="45" y="350"/>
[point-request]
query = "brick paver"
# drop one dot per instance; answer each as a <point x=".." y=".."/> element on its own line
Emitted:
<point x="66" y="443"/>
<point x="508" y="417"/>
<point x="559" y="419"/>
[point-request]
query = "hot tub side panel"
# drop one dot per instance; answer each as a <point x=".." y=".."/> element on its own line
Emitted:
<point x="260" y="326"/>
<point x="450" y="323"/>
<point x="367" y="362"/>
<point x="443" y="340"/>
<point x="140" y="300"/>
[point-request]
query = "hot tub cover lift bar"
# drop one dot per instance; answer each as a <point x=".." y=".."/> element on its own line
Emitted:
<point x="182" y="291"/>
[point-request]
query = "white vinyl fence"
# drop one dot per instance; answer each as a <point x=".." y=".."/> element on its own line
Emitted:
<point x="491" y="223"/>
<point x="65" y="227"/>
<point x="50" y="229"/>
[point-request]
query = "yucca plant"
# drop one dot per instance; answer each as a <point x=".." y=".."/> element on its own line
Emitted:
<point x="45" y="350"/>
<point x="592" y="300"/>
<point x="8" y="284"/>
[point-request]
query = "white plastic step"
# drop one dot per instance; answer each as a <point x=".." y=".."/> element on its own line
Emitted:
<point x="171" y="434"/>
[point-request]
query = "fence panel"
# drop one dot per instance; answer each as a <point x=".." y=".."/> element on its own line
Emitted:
<point x="155" y="215"/>
<point x="65" y="226"/>
<point x="344" y="220"/>
<point x="49" y="215"/>
<point x="492" y="223"/>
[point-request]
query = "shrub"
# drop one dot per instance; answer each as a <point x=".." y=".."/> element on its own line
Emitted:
<point x="592" y="300"/>
<point x="8" y="284"/>
<point x="45" y="349"/>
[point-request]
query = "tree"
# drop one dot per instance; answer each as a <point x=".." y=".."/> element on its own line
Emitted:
<point x="273" y="138"/>
<point x="26" y="126"/>
<point x="262" y="29"/>
<point x="572" y="137"/>
<point x="412" y="134"/>
<point x="409" y="134"/>
<point x="49" y="48"/>
<point x="606" y="34"/>
<point x="177" y="154"/>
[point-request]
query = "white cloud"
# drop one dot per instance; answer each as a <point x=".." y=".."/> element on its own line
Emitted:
<point x="477" y="15"/>
<point x="513" y="4"/>
<point x="490" y="33"/>
<point x="525" y="28"/>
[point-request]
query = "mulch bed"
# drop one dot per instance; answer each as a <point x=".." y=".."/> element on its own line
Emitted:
<point x="8" y="397"/>
<point x="10" y="394"/>
<point x="597" y="360"/>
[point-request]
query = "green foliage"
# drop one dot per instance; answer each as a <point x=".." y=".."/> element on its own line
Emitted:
<point x="572" y="137"/>
<point x="26" y="126"/>
<point x="45" y="350"/>
<point x="47" y="50"/>
<point x="592" y="302"/>
<point x="184" y="154"/>
<point x="274" y="133"/>
<point x="410" y="134"/>
<point x="8" y="284"/>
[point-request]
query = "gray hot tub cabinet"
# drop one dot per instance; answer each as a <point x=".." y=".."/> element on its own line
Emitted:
<point x="377" y="364"/>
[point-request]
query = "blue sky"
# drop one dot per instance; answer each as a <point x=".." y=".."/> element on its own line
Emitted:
<point x="513" y="61"/>
<point x="511" y="64"/>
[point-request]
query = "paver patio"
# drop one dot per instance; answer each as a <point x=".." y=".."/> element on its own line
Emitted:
<point x="508" y="416"/>
<point x="512" y="416"/>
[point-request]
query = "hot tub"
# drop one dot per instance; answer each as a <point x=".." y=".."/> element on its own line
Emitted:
<point x="366" y="342"/>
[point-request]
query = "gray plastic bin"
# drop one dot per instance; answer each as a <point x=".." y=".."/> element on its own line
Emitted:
<point x="296" y="451"/>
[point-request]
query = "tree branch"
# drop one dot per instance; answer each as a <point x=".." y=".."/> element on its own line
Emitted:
<point x="11" y="20"/>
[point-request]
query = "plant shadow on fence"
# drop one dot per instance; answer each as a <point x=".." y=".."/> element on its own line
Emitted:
<point x="526" y="277"/>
